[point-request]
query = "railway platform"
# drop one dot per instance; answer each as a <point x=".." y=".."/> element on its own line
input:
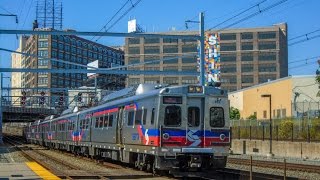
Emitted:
<point x="26" y="171"/>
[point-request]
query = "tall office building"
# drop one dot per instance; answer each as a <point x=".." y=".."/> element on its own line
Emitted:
<point x="248" y="57"/>
<point x="72" y="49"/>
<point x="16" y="62"/>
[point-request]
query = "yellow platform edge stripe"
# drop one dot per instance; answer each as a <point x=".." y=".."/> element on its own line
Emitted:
<point x="41" y="171"/>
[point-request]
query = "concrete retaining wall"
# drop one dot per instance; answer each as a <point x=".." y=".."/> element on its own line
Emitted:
<point x="279" y="148"/>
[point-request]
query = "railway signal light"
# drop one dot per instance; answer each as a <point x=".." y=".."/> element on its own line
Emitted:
<point x="79" y="98"/>
<point x="42" y="98"/>
<point x="23" y="98"/>
<point x="61" y="99"/>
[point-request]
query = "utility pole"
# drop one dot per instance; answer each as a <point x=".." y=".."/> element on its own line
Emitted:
<point x="202" y="61"/>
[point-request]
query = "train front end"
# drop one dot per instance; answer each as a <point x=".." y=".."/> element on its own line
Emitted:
<point x="194" y="128"/>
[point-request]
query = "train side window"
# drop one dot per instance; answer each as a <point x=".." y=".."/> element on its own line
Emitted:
<point x="130" y="118"/>
<point x="144" y="116"/>
<point x="138" y="117"/>
<point x="193" y="116"/>
<point x="105" y="124"/>
<point x="110" y="120"/>
<point x="97" y="122"/>
<point x="87" y="123"/>
<point x="152" y="117"/>
<point x="217" y="117"/>
<point x="101" y="122"/>
<point x="172" y="116"/>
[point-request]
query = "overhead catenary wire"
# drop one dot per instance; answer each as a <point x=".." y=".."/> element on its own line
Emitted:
<point x="112" y="17"/>
<point x="125" y="13"/>
<point x="27" y="14"/>
<point x="253" y="14"/>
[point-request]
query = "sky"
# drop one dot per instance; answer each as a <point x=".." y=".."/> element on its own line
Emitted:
<point x="302" y="17"/>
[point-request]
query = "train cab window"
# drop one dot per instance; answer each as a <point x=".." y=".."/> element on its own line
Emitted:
<point x="105" y="123"/>
<point x="172" y="116"/>
<point x="144" y="116"/>
<point x="130" y="118"/>
<point x="217" y="117"/>
<point x="87" y="123"/>
<point x="138" y="117"/>
<point x="110" y="120"/>
<point x="193" y="116"/>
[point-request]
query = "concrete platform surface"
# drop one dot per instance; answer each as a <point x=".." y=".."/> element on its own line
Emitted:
<point x="26" y="171"/>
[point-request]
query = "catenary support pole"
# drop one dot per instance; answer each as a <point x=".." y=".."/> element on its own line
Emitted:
<point x="202" y="61"/>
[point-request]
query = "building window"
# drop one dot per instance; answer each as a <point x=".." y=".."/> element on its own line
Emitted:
<point x="229" y="79"/>
<point x="42" y="80"/>
<point x="267" y="68"/>
<point x="264" y="114"/>
<point x="134" y="40"/>
<point x="189" y="48"/>
<point x="267" y="56"/>
<point x="67" y="48"/>
<point x="228" y="58"/>
<point x="134" y="50"/>
<point x="247" y="46"/>
<point x="43" y="53"/>
<point x="278" y="113"/>
<point x="42" y="44"/>
<point x="171" y="80"/>
<point x="151" y="58"/>
<point x="247" y="79"/>
<point x="267" y="35"/>
<point x="170" y="49"/>
<point x="267" y="45"/>
<point x="189" y="80"/>
<point x="225" y="37"/>
<point x="170" y="60"/>
<point x="189" y="68"/>
<point x="54" y="54"/>
<point x="43" y="36"/>
<point x="133" y="81"/>
<point x="170" y="40"/>
<point x="228" y="68"/>
<point x="266" y="77"/>
<point x="246" y="36"/>
<point x="152" y="80"/>
<point x="151" y="49"/>
<point x="246" y="57"/>
<point x="54" y="44"/>
<point x="170" y="68"/>
<point x="151" y="40"/>
<point x="247" y="68"/>
<point x="189" y="60"/>
<point x="228" y="47"/>
<point x="60" y="55"/>
<point x="43" y="62"/>
<point x="284" y="113"/>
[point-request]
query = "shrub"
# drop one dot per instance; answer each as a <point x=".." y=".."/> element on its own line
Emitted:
<point x="285" y="129"/>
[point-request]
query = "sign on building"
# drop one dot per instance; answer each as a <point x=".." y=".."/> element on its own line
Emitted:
<point x="92" y="65"/>
<point x="132" y="26"/>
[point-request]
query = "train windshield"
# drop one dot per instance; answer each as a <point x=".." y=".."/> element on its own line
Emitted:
<point x="172" y="116"/>
<point x="217" y="117"/>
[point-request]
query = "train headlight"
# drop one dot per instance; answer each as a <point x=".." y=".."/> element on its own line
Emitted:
<point x="199" y="89"/>
<point x="195" y="89"/>
<point x="222" y="137"/>
<point x="165" y="136"/>
<point x="191" y="89"/>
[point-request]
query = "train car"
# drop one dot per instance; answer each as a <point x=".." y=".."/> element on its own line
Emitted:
<point x="156" y="128"/>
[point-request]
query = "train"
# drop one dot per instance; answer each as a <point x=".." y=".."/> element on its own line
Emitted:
<point x="151" y="127"/>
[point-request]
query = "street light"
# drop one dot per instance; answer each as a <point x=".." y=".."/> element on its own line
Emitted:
<point x="269" y="96"/>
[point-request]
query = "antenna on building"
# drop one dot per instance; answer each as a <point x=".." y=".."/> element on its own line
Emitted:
<point x="49" y="14"/>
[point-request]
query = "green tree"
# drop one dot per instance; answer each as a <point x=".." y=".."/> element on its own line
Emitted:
<point x="234" y="113"/>
<point x="252" y="117"/>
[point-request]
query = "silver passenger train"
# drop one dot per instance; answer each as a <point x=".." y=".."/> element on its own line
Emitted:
<point x="152" y="127"/>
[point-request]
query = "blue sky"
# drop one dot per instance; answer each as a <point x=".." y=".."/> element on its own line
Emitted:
<point x="302" y="17"/>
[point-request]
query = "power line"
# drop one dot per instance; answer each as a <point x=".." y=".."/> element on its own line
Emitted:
<point x="254" y="14"/>
<point x="125" y="13"/>
<point x="6" y="10"/>
<point x="112" y="18"/>
<point x="304" y="35"/>
<point x="254" y="6"/>
<point x="27" y="13"/>
<point x="306" y="59"/>
<point x="304" y="40"/>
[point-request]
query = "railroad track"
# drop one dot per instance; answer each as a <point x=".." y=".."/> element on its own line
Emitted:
<point x="276" y="165"/>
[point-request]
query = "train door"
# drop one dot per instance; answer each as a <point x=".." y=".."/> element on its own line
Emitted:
<point x="195" y="122"/>
<point x="120" y="126"/>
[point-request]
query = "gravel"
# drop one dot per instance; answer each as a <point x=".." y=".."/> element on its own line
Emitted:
<point x="297" y="174"/>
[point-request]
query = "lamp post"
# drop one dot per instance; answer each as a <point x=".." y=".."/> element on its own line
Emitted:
<point x="270" y="131"/>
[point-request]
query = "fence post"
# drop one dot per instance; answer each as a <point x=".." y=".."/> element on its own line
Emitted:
<point x="250" y="132"/>
<point x="292" y="133"/>
<point x="262" y="132"/>
<point x="277" y="131"/>
<point x="309" y="133"/>
<point x="239" y="132"/>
